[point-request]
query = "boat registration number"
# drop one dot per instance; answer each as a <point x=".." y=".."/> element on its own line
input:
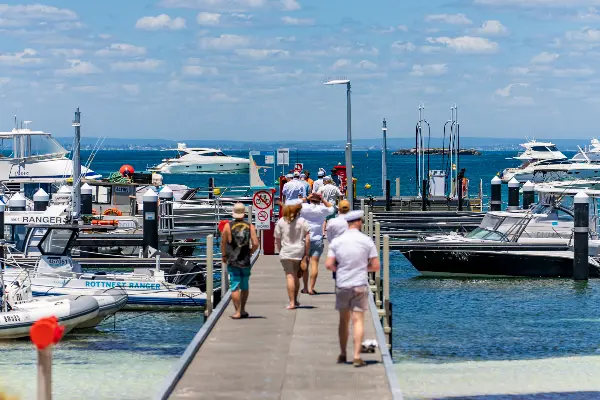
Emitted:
<point x="12" y="318"/>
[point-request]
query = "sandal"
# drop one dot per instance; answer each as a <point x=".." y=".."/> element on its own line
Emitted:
<point x="341" y="359"/>
<point x="245" y="315"/>
<point x="358" y="362"/>
<point x="314" y="292"/>
<point x="304" y="291"/>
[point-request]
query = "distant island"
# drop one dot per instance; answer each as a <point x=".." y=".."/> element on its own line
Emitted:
<point x="436" y="151"/>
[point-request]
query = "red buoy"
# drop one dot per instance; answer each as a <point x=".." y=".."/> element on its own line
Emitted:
<point x="126" y="170"/>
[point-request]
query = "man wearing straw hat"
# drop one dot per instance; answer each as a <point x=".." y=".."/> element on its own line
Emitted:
<point x="238" y="242"/>
<point x="351" y="256"/>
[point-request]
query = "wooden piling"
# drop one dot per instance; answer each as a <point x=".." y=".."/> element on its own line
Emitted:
<point x="209" y="274"/>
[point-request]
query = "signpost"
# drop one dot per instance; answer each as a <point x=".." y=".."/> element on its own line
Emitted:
<point x="262" y="202"/>
<point x="283" y="158"/>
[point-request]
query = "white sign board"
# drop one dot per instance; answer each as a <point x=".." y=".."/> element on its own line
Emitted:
<point x="269" y="159"/>
<point x="283" y="156"/>
<point x="262" y="204"/>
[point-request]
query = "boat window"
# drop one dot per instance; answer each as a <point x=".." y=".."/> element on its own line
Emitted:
<point x="484" y="234"/>
<point x="552" y="148"/>
<point x="104" y="195"/>
<point x="210" y="154"/>
<point x="221" y="154"/>
<point x="35" y="145"/>
<point x="490" y="221"/>
<point x="539" y="148"/>
<point x="56" y="241"/>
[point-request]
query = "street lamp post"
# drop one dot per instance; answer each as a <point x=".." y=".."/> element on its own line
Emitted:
<point x="349" y="182"/>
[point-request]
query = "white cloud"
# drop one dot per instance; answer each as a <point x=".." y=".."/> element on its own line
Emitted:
<point x="544" y="58"/>
<point x="429" y="69"/>
<point x="290" y="5"/>
<point x="159" y="22"/>
<point x="225" y="41"/>
<point x="197" y="70"/>
<point x="454" y="19"/>
<point x="467" y="44"/>
<point x="21" y="58"/>
<point x="222" y="97"/>
<point x="591" y="14"/>
<point x="67" y="53"/>
<point x="584" y="35"/>
<point x="403" y="46"/>
<point x="36" y="12"/>
<point x="122" y="49"/>
<point x="206" y="18"/>
<point x="138" y="65"/>
<point x="242" y="16"/>
<point x="219" y="5"/>
<point x="519" y="70"/>
<point x="297" y="21"/>
<point x="132" y="90"/>
<point x="573" y="72"/>
<point x="506" y="91"/>
<point x="262" y="53"/>
<point x="341" y="63"/>
<point x="402" y="28"/>
<point x="366" y="64"/>
<point x="492" y="27"/>
<point x="79" y="67"/>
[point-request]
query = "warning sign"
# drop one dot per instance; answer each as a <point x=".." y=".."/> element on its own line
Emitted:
<point x="262" y="200"/>
<point x="261" y="220"/>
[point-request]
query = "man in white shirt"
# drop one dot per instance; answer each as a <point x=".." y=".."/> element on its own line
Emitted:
<point x="339" y="225"/>
<point x="294" y="189"/>
<point x="315" y="214"/>
<point x="329" y="191"/>
<point x="319" y="182"/>
<point x="352" y="255"/>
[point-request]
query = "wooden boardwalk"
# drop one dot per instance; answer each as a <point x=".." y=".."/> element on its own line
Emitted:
<point x="278" y="353"/>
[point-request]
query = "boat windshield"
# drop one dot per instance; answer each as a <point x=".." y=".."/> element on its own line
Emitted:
<point x="213" y="154"/>
<point x="544" y="148"/>
<point x="484" y="234"/>
<point x="23" y="146"/>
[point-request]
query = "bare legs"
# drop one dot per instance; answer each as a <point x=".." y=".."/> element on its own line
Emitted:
<point x="293" y="286"/>
<point x="314" y="272"/>
<point x="358" y="328"/>
<point x="236" y="297"/>
<point x="245" y="294"/>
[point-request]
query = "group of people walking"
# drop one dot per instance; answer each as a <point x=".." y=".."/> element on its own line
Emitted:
<point x="308" y="218"/>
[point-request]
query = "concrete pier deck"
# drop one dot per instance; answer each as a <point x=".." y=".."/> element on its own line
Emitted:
<point x="279" y="353"/>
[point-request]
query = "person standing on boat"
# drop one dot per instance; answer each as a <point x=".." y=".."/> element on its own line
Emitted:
<point x="292" y="237"/>
<point x="238" y="242"/>
<point x="310" y="181"/>
<point x="294" y="189"/>
<point x="319" y="182"/>
<point x="315" y="212"/>
<point x="351" y="256"/>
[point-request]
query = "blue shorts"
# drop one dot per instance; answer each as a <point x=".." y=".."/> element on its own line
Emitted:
<point x="316" y="248"/>
<point x="239" y="278"/>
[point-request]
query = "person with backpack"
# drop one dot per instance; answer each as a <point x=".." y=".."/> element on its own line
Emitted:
<point x="292" y="236"/>
<point x="238" y="242"/>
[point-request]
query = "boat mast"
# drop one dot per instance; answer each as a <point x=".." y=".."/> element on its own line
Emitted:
<point x="77" y="167"/>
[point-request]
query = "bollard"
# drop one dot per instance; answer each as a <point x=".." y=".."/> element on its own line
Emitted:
<point x="371" y="227"/>
<point x="150" y="224"/>
<point x="424" y="195"/>
<point x="86" y="199"/>
<point x="224" y="279"/>
<point x="388" y="196"/>
<point x="40" y="200"/>
<point x="17" y="202"/>
<point x="513" y="194"/>
<point x="211" y="188"/>
<point x="363" y="228"/>
<point x="378" y="273"/>
<point x="166" y="200"/>
<point x="496" y="201"/>
<point x="459" y="191"/>
<point x="386" y="284"/>
<point x="581" y="270"/>
<point x="209" y="275"/>
<point x="528" y="195"/>
<point x="398" y="188"/>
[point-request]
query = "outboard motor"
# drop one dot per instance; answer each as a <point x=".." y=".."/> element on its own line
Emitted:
<point x="183" y="272"/>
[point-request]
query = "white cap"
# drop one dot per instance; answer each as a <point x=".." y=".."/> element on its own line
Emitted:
<point x="581" y="198"/>
<point x="321" y="173"/>
<point x="289" y="176"/>
<point x="496" y="180"/>
<point x="165" y="193"/>
<point x="528" y="186"/>
<point x="354" y="215"/>
<point x="150" y="196"/>
<point x="327" y="178"/>
<point x="513" y="183"/>
<point x="17" y="200"/>
<point x="41" y="195"/>
<point x="86" y="189"/>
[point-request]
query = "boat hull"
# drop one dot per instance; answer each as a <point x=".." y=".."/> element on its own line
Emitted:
<point x="236" y="167"/>
<point x="492" y="264"/>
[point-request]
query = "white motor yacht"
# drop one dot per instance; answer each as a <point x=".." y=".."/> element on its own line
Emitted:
<point x="201" y="160"/>
<point x="535" y="152"/>
<point x="590" y="153"/>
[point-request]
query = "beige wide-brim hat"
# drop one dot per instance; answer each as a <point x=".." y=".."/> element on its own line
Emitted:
<point x="239" y="211"/>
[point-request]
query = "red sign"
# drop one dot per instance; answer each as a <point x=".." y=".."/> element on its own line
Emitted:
<point x="262" y="216"/>
<point x="299" y="167"/>
<point x="262" y="199"/>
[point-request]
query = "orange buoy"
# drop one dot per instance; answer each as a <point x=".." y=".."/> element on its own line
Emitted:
<point x="112" y="222"/>
<point x="126" y="170"/>
<point x="112" y="211"/>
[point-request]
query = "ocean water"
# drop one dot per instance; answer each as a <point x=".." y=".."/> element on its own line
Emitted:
<point x="474" y="338"/>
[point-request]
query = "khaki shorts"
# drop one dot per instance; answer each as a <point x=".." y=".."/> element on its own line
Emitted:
<point x="353" y="299"/>
<point x="291" y="266"/>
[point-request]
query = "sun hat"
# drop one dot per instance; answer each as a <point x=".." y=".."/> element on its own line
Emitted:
<point x="315" y="197"/>
<point x="344" y="206"/>
<point x="321" y="173"/>
<point x="239" y="211"/>
<point x="327" y="178"/>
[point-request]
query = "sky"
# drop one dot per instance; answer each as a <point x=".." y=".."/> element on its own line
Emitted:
<point x="253" y="69"/>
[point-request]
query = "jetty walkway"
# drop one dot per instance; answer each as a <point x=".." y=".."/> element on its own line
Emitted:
<point x="278" y="353"/>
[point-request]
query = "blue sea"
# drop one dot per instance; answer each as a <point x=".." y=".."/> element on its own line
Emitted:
<point x="452" y="338"/>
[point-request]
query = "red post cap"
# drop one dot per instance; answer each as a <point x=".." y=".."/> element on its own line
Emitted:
<point x="45" y="332"/>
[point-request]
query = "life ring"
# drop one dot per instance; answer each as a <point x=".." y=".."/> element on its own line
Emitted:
<point x="112" y="211"/>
